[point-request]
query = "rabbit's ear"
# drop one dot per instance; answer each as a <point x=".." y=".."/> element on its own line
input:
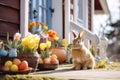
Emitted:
<point x="81" y="34"/>
<point x="74" y="34"/>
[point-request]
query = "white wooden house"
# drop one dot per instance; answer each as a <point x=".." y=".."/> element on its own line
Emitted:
<point x="61" y="15"/>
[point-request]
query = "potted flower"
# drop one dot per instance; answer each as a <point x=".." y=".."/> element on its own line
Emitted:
<point x="57" y="46"/>
<point x="27" y="50"/>
<point x="47" y="60"/>
<point x="13" y="44"/>
<point x="37" y="27"/>
<point x="24" y="48"/>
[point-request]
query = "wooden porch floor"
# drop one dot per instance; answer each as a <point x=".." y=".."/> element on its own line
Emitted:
<point x="67" y="72"/>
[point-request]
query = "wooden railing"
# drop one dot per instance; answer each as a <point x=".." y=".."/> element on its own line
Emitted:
<point x="91" y="38"/>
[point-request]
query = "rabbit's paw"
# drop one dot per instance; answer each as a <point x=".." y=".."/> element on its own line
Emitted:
<point x="84" y="68"/>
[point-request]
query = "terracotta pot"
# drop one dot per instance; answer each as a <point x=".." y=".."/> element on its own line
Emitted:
<point x="60" y="53"/>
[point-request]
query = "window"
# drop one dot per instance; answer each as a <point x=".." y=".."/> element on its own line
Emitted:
<point x="41" y="10"/>
<point x="80" y="12"/>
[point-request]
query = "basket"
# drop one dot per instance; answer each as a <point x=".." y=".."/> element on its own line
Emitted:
<point x="31" y="58"/>
<point x="47" y="66"/>
<point x="17" y="72"/>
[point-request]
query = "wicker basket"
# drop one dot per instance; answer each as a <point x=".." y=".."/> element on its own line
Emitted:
<point x="31" y="58"/>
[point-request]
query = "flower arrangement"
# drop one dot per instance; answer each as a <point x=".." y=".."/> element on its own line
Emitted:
<point x="42" y="29"/>
<point x="12" y="45"/>
<point x="46" y="58"/>
<point x="44" y="49"/>
<point x="55" y="41"/>
<point x="23" y="44"/>
<point x="15" y="42"/>
<point x="37" y="27"/>
<point x="45" y="43"/>
<point x="29" y="43"/>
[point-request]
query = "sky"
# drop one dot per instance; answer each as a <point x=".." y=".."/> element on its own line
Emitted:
<point x="113" y="6"/>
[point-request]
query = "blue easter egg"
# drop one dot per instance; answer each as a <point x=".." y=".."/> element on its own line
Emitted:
<point x="3" y="52"/>
<point x="98" y="58"/>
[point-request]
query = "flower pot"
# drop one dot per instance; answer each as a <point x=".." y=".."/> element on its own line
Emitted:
<point x="60" y="53"/>
<point x="12" y="52"/>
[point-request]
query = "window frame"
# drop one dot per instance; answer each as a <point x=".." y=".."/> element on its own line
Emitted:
<point x="84" y="22"/>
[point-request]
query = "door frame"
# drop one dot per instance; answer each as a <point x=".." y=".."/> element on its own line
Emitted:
<point x="24" y="13"/>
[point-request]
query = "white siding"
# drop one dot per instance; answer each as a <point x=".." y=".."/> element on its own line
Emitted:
<point x="57" y="17"/>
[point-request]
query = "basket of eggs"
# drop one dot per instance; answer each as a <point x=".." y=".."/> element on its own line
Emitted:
<point x="48" y="63"/>
<point x="15" y="66"/>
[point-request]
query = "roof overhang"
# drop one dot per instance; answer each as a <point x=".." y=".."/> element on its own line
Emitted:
<point x="101" y="7"/>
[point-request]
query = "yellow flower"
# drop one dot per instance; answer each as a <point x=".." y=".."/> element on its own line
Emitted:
<point x="102" y="63"/>
<point x="56" y="38"/>
<point x="24" y="42"/>
<point x="45" y="27"/>
<point x="64" y="42"/>
<point x="30" y="42"/>
<point x="48" y="43"/>
<point x="37" y="40"/>
<point x="42" y="46"/>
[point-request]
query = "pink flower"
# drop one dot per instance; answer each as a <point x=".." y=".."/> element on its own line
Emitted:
<point x="17" y="36"/>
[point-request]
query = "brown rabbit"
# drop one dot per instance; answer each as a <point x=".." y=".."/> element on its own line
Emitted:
<point x="82" y="57"/>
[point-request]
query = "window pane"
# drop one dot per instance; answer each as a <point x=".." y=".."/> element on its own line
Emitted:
<point x="80" y="9"/>
<point x="43" y="7"/>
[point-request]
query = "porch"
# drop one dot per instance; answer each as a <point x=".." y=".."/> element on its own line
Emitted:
<point x="64" y="72"/>
<point x="67" y="73"/>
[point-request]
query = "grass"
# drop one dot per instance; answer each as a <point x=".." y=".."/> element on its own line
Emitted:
<point x="113" y="66"/>
<point x="29" y="77"/>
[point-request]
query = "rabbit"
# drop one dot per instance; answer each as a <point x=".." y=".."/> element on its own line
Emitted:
<point x="82" y="58"/>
